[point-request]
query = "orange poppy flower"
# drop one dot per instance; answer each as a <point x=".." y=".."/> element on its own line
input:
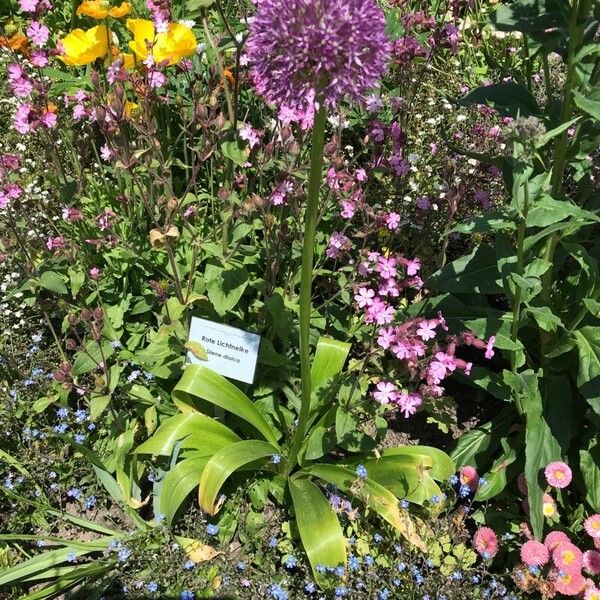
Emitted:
<point x="17" y="42"/>
<point x="100" y="9"/>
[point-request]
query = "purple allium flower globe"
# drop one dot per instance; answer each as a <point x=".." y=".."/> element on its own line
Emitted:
<point x="302" y="51"/>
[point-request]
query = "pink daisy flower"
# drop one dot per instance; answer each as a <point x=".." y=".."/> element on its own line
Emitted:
<point x="592" y="526"/>
<point x="568" y="558"/>
<point x="485" y="542"/>
<point x="534" y="553"/>
<point x="592" y="593"/>
<point x="558" y="474"/>
<point x="569" y="584"/>
<point x="554" y="538"/>
<point x="591" y="562"/>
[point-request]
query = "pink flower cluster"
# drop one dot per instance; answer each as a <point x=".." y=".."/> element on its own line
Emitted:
<point x="9" y="190"/>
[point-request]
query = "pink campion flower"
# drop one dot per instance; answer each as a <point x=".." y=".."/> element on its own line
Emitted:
<point x="38" y="33"/>
<point x="387" y="337"/>
<point x="337" y="243"/>
<point x="489" y="347"/>
<point x="104" y="219"/>
<point x="426" y="330"/>
<point x="22" y="118"/>
<point x="13" y="191"/>
<point x="49" y="119"/>
<point x="15" y="72"/>
<point x="413" y="266"/>
<point x="364" y="297"/>
<point x="386" y="267"/>
<point x="592" y="526"/>
<point x="4" y="200"/>
<point x="156" y="79"/>
<point x="558" y="474"/>
<point x="79" y="112"/>
<point x="361" y="175"/>
<point x="380" y="312"/>
<point x="38" y="58"/>
<point x="250" y="135"/>
<point x="441" y="320"/>
<point x="95" y="273"/>
<point x="567" y="557"/>
<point x="10" y="161"/>
<point x="591" y="562"/>
<point x="106" y="153"/>
<point x="71" y="214"/>
<point x="348" y="209"/>
<point x="534" y="553"/>
<point x="279" y="196"/>
<point x="28" y="5"/>
<point x="408" y="403"/>
<point x="554" y="539"/>
<point x="389" y="288"/>
<point x="485" y="542"/>
<point x="56" y="243"/>
<point x="436" y="372"/>
<point x="386" y="392"/>
<point x="449" y="361"/>
<point x="21" y="88"/>
<point x="468" y="476"/>
<point x="392" y="221"/>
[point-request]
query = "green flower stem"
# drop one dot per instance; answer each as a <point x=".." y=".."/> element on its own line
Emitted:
<point x="308" y="252"/>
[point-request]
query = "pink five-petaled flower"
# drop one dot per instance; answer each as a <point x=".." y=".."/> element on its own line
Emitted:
<point x="558" y="474"/>
<point x="489" y="347"/>
<point x="567" y="557"/>
<point x="534" y="553"/>
<point x="95" y="273"/>
<point x="38" y="33"/>
<point x="249" y="134"/>
<point x="426" y="330"/>
<point x="413" y="266"/>
<point x="485" y="542"/>
<point x="386" y="392"/>
<point x="592" y="526"/>
<point x="392" y="221"/>
<point x="387" y="336"/>
<point x="591" y="562"/>
<point x="330" y="48"/>
<point x="408" y="403"/>
<point x="364" y="297"/>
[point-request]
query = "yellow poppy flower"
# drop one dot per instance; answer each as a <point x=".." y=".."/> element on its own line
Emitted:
<point x="100" y="9"/>
<point x="176" y="43"/>
<point x="84" y="47"/>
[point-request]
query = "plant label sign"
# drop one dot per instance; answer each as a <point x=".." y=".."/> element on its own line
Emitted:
<point x="231" y="352"/>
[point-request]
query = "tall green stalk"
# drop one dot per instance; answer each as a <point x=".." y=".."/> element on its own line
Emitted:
<point x="308" y="252"/>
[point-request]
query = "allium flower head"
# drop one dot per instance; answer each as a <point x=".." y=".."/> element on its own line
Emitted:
<point x="297" y="46"/>
<point x="558" y="474"/>
<point x="534" y="554"/>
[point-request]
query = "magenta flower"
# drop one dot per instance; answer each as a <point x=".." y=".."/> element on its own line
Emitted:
<point x="591" y="562"/>
<point x="558" y="474"/>
<point x="302" y="51"/>
<point x="38" y="33"/>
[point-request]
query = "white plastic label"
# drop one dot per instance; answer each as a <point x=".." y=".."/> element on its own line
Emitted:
<point x="231" y="352"/>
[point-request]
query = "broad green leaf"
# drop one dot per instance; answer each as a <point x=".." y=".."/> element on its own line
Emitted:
<point x="224" y="463"/>
<point x="541" y="447"/>
<point x="71" y="577"/>
<point x="475" y="272"/>
<point x="548" y="211"/>
<point x="225" y="287"/>
<point x="92" y="357"/>
<point x="588" y="378"/>
<point x="587" y="105"/>
<point x="54" y="282"/>
<point x="475" y="447"/>
<point x="201" y="382"/>
<point x="508" y="98"/>
<point x="373" y="495"/>
<point x="529" y="16"/>
<point x="318" y="525"/>
<point x="493" y="221"/>
<point x="48" y="560"/>
<point x="545" y="318"/>
<point x="496" y="478"/>
<point x="329" y="360"/>
<point x="589" y="461"/>
<point x="214" y="434"/>
<point x="499" y="328"/>
<point x="440" y="465"/>
<point x="178" y="483"/>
